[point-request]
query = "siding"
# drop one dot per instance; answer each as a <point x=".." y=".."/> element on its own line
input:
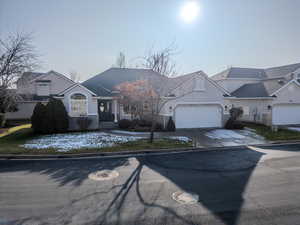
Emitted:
<point x="25" y="111"/>
<point x="258" y="109"/>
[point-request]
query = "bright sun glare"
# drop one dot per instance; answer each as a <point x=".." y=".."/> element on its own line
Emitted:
<point x="190" y="11"/>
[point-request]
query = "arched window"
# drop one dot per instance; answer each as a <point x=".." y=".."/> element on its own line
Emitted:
<point x="78" y="104"/>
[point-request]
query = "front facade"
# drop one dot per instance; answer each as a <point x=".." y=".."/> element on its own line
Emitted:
<point x="268" y="96"/>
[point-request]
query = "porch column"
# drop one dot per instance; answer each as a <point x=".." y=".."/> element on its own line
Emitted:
<point x="115" y="110"/>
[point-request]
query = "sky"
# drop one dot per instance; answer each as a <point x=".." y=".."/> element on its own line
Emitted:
<point x="87" y="36"/>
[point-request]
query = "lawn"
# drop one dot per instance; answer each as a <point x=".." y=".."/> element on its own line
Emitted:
<point x="280" y="135"/>
<point x="12" y="144"/>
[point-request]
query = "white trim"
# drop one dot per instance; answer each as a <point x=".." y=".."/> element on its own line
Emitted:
<point x="104" y="97"/>
<point x="248" y="98"/>
<point x="287" y="84"/>
<point x="32" y="101"/>
<point x="242" y="79"/>
<point x="54" y="72"/>
<point x="75" y="85"/>
<point x="205" y="77"/>
<point x="87" y="103"/>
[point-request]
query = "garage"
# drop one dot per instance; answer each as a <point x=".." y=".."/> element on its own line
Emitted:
<point x="286" y="114"/>
<point x="198" y="116"/>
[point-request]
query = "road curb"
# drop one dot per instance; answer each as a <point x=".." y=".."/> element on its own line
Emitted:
<point x="136" y="152"/>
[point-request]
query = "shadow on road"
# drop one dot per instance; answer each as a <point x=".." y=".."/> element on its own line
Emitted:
<point x="64" y="172"/>
<point x="219" y="179"/>
<point x="221" y="192"/>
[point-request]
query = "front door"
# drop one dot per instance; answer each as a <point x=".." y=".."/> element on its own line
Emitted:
<point x="104" y="110"/>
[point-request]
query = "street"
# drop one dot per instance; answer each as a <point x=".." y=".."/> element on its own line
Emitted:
<point x="249" y="185"/>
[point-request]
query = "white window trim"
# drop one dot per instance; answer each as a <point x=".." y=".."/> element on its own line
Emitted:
<point x="70" y="106"/>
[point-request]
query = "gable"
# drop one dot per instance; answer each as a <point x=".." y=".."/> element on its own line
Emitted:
<point x="199" y="86"/>
<point x="289" y="93"/>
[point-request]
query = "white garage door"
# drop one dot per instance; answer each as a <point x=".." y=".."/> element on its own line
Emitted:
<point x="198" y="116"/>
<point x="286" y="114"/>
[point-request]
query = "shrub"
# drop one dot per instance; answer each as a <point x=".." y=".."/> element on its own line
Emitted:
<point x="145" y="123"/>
<point x="61" y="118"/>
<point x="232" y="123"/>
<point x="84" y="123"/>
<point x="38" y="118"/>
<point x="1" y="119"/>
<point x="49" y="119"/>
<point x="171" y="125"/>
<point x="158" y="127"/>
<point x="124" y="123"/>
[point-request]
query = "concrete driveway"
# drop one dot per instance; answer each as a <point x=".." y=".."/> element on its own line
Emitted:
<point x="210" y="137"/>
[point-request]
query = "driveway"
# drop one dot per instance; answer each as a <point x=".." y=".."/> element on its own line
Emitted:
<point x="244" y="186"/>
<point x="209" y="137"/>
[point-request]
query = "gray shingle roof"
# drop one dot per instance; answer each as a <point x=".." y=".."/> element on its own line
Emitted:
<point x="281" y="70"/>
<point x="269" y="73"/>
<point x="237" y="72"/>
<point x="28" y="76"/>
<point x="252" y="90"/>
<point x="104" y="83"/>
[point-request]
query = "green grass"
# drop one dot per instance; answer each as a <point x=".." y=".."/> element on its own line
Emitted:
<point x="11" y="145"/>
<point x="280" y="135"/>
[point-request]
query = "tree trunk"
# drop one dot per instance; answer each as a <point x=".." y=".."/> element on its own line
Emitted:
<point x="153" y="125"/>
<point x="2" y="119"/>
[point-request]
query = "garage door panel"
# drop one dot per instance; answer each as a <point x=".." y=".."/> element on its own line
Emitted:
<point x="286" y="114"/>
<point x="198" y="116"/>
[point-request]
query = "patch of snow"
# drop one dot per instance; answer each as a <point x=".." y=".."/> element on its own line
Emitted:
<point x="69" y="141"/>
<point x="294" y="128"/>
<point x="129" y="132"/>
<point x="180" y="138"/>
<point x="223" y="134"/>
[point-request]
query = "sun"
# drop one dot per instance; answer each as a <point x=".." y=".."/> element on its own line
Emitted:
<point x="190" y="11"/>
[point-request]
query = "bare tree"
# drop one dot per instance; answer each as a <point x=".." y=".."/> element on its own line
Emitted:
<point x="161" y="62"/>
<point x="121" y="61"/>
<point x="17" y="55"/>
<point x="74" y="76"/>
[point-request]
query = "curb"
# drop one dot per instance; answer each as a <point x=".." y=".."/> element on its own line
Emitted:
<point x="136" y="152"/>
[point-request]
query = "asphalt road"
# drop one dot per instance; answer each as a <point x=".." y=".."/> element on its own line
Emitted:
<point x="245" y="186"/>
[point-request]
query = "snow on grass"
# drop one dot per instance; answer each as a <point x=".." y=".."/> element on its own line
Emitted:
<point x="223" y="134"/>
<point x="294" y="128"/>
<point x="129" y="132"/>
<point x="180" y="138"/>
<point x="69" y="141"/>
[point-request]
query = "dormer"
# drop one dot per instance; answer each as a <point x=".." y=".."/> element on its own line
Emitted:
<point x="43" y="87"/>
<point x="199" y="83"/>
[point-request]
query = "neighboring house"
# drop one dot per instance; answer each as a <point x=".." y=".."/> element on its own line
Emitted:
<point x="37" y="87"/>
<point x="269" y="96"/>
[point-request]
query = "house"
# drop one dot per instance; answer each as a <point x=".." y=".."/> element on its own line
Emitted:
<point x="35" y="87"/>
<point x="269" y="96"/>
<point x="193" y="100"/>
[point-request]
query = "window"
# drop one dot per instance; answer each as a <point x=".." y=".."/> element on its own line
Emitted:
<point x="43" y="89"/>
<point x="78" y="105"/>
<point x="199" y="84"/>
<point x="246" y="110"/>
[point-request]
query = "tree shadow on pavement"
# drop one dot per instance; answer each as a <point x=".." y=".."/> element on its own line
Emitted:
<point x="219" y="179"/>
<point x="64" y="172"/>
